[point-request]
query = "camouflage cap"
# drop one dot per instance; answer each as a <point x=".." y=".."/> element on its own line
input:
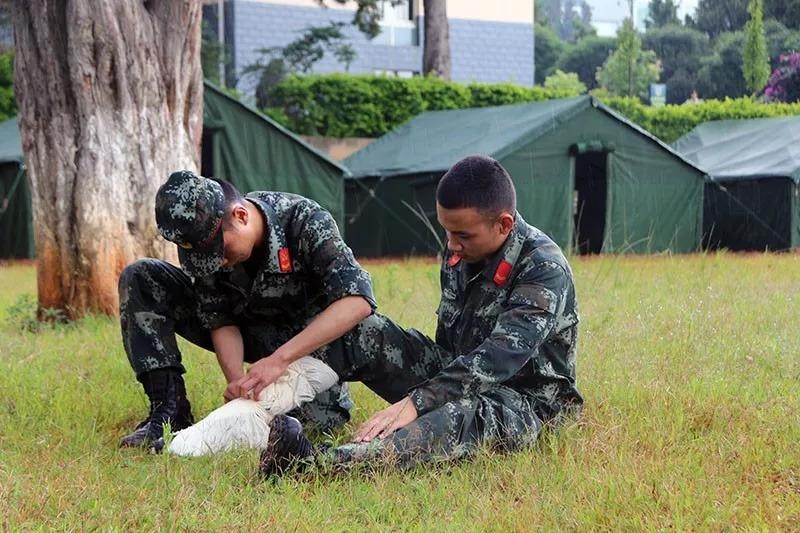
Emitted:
<point x="189" y="211"/>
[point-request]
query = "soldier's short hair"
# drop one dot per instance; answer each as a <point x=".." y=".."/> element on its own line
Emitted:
<point x="232" y="198"/>
<point x="478" y="182"/>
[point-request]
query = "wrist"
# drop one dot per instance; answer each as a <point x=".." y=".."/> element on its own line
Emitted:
<point x="234" y="376"/>
<point x="282" y="356"/>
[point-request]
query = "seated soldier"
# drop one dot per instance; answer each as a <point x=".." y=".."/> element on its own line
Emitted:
<point x="263" y="275"/>
<point x="502" y="364"/>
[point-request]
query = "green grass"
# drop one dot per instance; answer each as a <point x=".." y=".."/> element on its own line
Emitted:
<point x="690" y="366"/>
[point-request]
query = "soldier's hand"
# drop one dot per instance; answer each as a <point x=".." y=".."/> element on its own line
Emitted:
<point x="384" y="423"/>
<point x="260" y="375"/>
<point x="230" y="391"/>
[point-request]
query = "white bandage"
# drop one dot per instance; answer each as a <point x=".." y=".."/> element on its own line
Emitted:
<point x="244" y="423"/>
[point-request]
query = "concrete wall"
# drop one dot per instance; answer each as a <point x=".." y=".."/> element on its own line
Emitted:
<point x="482" y="50"/>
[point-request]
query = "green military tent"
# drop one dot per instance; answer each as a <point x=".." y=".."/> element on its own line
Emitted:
<point x="254" y="152"/>
<point x="752" y="200"/>
<point x="16" y="229"/>
<point x="239" y="144"/>
<point x="584" y="174"/>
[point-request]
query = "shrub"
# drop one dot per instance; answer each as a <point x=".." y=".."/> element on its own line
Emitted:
<point x="784" y="83"/>
<point x="340" y="105"/>
<point x="671" y="122"/>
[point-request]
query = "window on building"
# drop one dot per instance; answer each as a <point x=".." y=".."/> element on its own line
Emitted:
<point x="398" y="24"/>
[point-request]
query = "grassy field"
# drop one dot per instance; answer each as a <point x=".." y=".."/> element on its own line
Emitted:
<point x="690" y="367"/>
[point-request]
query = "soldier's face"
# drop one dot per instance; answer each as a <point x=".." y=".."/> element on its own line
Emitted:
<point x="237" y="238"/>
<point x="236" y="248"/>
<point x="473" y="235"/>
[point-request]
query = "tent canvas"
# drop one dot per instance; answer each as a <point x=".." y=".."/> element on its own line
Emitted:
<point x="16" y="228"/>
<point x="752" y="200"/>
<point x="587" y="176"/>
<point x="239" y="144"/>
<point x="254" y="152"/>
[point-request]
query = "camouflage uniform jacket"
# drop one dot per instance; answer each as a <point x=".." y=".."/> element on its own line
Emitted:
<point x="514" y="323"/>
<point x="306" y="267"/>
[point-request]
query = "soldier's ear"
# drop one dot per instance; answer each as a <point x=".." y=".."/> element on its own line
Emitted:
<point x="506" y="221"/>
<point x="240" y="214"/>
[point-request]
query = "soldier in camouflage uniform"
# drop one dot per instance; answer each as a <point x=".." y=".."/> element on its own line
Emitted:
<point x="264" y="275"/>
<point x="503" y="362"/>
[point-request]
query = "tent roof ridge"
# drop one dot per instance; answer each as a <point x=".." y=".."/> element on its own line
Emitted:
<point x="285" y="131"/>
<point x="629" y="123"/>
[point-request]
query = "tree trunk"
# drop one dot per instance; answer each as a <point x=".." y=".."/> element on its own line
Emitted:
<point x="436" y="50"/>
<point x="110" y="95"/>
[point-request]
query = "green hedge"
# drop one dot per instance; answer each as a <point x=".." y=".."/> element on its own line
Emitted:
<point x="671" y="122"/>
<point x="340" y="105"/>
<point x="8" y="103"/>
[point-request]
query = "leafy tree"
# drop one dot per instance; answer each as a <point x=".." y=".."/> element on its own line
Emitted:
<point x="786" y="11"/>
<point x="784" y="83"/>
<point x="547" y="49"/>
<point x="792" y="42"/>
<point x="678" y="47"/>
<point x="662" y="13"/>
<point x="570" y="19"/>
<point x="585" y="57"/>
<point x="300" y="55"/>
<point x="8" y="102"/>
<point x="718" y="16"/>
<point x="564" y="81"/>
<point x="714" y="17"/>
<point x="367" y="15"/>
<point x="629" y="70"/>
<point x="211" y="54"/>
<point x="680" y="86"/>
<point x="680" y="50"/>
<point x="755" y="65"/>
<point x="721" y="74"/>
<point x="780" y="40"/>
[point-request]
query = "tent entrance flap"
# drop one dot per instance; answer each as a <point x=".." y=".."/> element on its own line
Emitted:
<point x="589" y="201"/>
<point x="207" y="155"/>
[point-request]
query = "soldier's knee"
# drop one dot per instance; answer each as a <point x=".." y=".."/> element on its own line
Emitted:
<point x="140" y="277"/>
<point x="371" y="333"/>
<point x="132" y="274"/>
<point x="374" y="322"/>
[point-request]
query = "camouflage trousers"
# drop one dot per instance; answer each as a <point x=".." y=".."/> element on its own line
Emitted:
<point x="390" y="361"/>
<point x="157" y="301"/>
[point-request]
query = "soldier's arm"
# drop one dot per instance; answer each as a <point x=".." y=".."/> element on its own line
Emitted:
<point x="214" y="313"/>
<point x="338" y="273"/>
<point x="346" y="286"/>
<point x="229" y="347"/>
<point x="526" y="321"/>
<point x="333" y="322"/>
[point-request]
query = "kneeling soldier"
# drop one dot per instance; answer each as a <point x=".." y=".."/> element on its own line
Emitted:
<point x="263" y="275"/>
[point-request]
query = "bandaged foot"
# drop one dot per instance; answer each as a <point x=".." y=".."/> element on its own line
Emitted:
<point x="244" y="423"/>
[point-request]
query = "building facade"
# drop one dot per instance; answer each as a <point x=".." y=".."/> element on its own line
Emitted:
<point x="489" y="41"/>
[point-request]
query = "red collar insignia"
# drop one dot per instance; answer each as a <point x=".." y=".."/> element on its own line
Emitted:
<point x="453" y="261"/>
<point x="502" y="273"/>
<point x="284" y="260"/>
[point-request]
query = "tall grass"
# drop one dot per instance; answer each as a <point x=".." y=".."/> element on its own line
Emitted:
<point x="690" y="368"/>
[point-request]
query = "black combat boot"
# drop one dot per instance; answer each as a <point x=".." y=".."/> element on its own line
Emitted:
<point x="286" y="446"/>
<point x="168" y="404"/>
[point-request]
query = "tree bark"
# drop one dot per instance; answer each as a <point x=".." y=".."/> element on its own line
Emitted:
<point x="110" y="96"/>
<point x="436" y="49"/>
